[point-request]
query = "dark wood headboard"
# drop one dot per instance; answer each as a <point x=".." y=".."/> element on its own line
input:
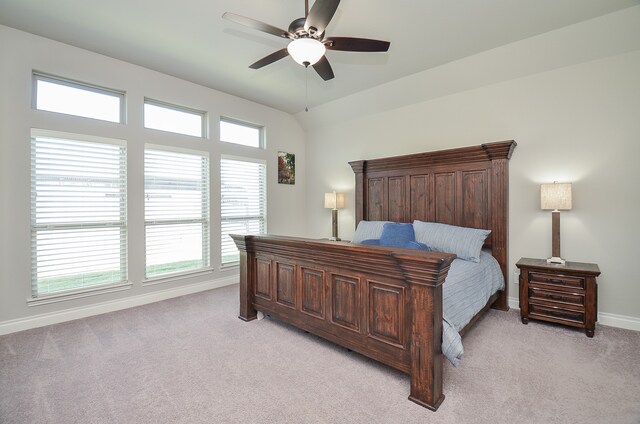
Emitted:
<point x="467" y="186"/>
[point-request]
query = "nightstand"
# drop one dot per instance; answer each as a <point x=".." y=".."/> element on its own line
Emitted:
<point x="564" y="294"/>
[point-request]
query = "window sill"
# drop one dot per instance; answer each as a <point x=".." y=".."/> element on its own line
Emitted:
<point x="230" y="265"/>
<point x="78" y="294"/>
<point x="161" y="279"/>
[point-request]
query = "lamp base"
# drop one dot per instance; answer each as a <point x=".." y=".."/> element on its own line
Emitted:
<point x="335" y="238"/>
<point x="555" y="260"/>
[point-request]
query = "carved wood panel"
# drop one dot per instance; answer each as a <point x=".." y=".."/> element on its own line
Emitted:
<point x="386" y="313"/>
<point x="375" y="199"/>
<point x="396" y="195"/>
<point x="475" y="206"/>
<point x="285" y="284"/>
<point x="345" y="301"/>
<point x="263" y="280"/>
<point x="313" y="292"/>
<point x="445" y="198"/>
<point x="420" y="194"/>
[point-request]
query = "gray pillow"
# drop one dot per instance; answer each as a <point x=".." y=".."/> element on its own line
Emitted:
<point x="464" y="242"/>
<point x="367" y="230"/>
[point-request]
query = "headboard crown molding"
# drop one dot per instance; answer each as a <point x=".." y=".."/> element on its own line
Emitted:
<point x="479" y="153"/>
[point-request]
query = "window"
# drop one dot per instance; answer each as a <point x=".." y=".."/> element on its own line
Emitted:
<point x="176" y="119"/>
<point x="176" y="213"/>
<point x="243" y="202"/>
<point x="237" y="132"/>
<point x="55" y="94"/>
<point x="78" y="212"/>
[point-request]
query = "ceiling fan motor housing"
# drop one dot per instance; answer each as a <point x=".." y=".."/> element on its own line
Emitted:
<point x="297" y="27"/>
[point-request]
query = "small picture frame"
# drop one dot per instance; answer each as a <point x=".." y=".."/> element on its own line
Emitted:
<point x="286" y="168"/>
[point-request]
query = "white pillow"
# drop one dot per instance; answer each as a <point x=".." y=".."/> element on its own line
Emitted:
<point x="464" y="242"/>
<point x="367" y="230"/>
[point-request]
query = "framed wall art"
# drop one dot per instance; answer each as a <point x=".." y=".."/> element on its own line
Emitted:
<point x="286" y="168"/>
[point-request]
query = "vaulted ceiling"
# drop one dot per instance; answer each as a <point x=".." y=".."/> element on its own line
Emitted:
<point x="190" y="40"/>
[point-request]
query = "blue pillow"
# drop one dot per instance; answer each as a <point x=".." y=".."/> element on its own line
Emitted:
<point x="416" y="245"/>
<point x="397" y="235"/>
<point x="408" y="245"/>
<point x="375" y="242"/>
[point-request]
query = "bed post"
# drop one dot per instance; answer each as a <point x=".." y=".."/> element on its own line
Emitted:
<point x="358" y="169"/>
<point x="426" y="329"/>
<point x="247" y="311"/>
<point x="499" y="154"/>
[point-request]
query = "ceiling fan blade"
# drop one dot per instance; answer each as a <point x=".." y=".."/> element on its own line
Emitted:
<point x="350" y="44"/>
<point x="260" y="26"/>
<point x="267" y="60"/>
<point x="323" y="68"/>
<point x="320" y="15"/>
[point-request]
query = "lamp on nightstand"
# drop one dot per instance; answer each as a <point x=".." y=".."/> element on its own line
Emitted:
<point x="556" y="197"/>
<point x="334" y="201"/>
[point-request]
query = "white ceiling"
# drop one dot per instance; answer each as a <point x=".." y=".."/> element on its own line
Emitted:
<point x="189" y="39"/>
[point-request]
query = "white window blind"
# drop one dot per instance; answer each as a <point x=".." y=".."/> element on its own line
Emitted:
<point x="176" y="212"/>
<point x="243" y="203"/>
<point x="78" y="213"/>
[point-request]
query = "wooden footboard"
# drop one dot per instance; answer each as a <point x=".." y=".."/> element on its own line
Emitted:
<point x="385" y="303"/>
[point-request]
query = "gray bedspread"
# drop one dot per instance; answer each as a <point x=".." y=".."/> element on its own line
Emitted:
<point x="466" y="290"/>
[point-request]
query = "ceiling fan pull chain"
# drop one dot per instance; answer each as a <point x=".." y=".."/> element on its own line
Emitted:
<point x="306" y="88"/>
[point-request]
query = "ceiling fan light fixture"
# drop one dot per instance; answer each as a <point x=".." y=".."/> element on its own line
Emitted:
<point x="306" y="51"/>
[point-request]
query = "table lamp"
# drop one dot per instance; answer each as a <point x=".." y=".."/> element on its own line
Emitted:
<point x="334" y="201"/>
<point x="555" y="197"/>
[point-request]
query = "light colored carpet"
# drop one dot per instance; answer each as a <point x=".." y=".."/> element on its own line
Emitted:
<point x="190" y="360"/>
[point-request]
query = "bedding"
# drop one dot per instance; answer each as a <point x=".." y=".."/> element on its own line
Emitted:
<point x="465" y="242"/>
<point x="466" y="290"/>
<point x="368" y="230"/>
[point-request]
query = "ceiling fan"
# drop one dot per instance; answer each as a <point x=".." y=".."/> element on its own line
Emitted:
<point x="308" y="43"/>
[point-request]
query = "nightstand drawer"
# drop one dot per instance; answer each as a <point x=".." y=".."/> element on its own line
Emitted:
<point x="536" y="293"/>
<point x="556" y="313"/>
<point x="556" y="280"/>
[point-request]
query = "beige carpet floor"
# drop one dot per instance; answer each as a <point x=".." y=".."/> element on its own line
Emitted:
<point x="190" y="360"/>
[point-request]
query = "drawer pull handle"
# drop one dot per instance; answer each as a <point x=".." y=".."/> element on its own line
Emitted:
<point x="553" y="280"/>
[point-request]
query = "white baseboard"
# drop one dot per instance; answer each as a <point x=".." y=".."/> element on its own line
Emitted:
<point x="41" y="320"/>
<point x="620" y="321"/>
<point x="514" y="303"/>
<point x="604" y="318"/>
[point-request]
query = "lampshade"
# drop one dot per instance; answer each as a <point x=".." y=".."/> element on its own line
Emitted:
<point x="556" y="196"/>
<point x="306" y="51"/>
<point x="334" y="200"/>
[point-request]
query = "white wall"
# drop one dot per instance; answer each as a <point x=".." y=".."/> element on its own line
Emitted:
<point x="21" y="53"/>
<point x="575" y="115"/>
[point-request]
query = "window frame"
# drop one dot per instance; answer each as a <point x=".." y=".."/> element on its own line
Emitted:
<point x="122" y="223"/>
<point x="261" y="132"/>
<point x="206" y="244"/>
<point x="41" y="76"/>
<point x="159" y="103"/>
<point x="264" y="217"/>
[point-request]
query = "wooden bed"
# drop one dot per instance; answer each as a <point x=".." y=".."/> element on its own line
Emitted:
<point x="385" y="303"/>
